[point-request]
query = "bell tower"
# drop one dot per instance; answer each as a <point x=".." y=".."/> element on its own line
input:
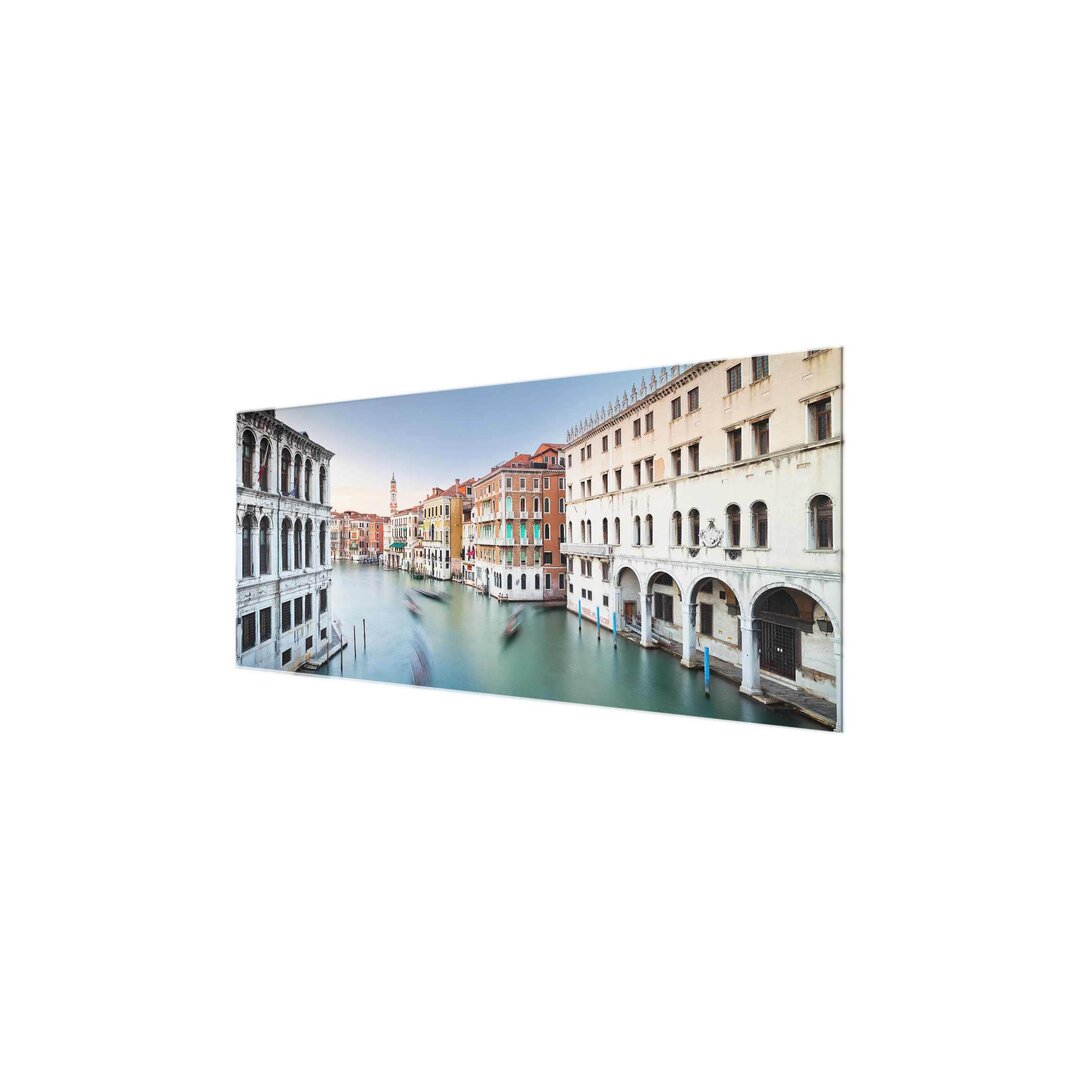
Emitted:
<point x="393" y="495"/>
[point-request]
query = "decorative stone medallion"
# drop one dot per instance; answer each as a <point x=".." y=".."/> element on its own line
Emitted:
<point x="711" y="535"/>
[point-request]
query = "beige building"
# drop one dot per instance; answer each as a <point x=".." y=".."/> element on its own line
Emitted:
<point x="704" y="510"/>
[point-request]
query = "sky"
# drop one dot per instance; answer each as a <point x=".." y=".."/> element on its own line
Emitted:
<point x="430" y="440"/>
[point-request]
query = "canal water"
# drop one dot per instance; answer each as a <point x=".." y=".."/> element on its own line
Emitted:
<point x="548" y="658"/>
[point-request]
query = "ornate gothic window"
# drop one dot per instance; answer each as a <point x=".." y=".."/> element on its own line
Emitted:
<point x="247" y="470"/>
<point x="247" y="569"/>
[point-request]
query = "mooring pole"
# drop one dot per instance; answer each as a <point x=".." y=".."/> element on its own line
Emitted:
<point x="598" y="626"/>
<point x="614" y="630"/>
<point x="341" y="661"/>
<point x="579" y="616"/>
<point x="354" y="641"/>
<point x="706" y="670"/>
<point x="364" y="624"/>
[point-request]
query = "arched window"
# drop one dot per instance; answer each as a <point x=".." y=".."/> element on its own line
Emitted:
<point x="322" y="484"/>
<point x="298" y="464"/>
<point x="322" y="542"/>
<point x="637" y="532"/>
<point x="523" y="581"/>
<point x="536" y="504"/>
<point x="648" y="529"/>
<point x="286" y="461"/>
<point x="734" y="526"/>
<point x="264" y="465"/>
<point x="307" y="544"/>
<point x="603" y="531"/>
<point x="509" y="505"/>
<point x="781" y="603"/>
<point x="676" y="529"/>
<point x="298" y="546"/>
<point x="759" y="523"/>
<point x="694" y="519"/>
<point x="570" y="531"/>
<point x="821" y="530"/>
<point x="618" y="531"/>
<point x="522" y="505"/>
<point x="547" y="505"/>
<point x="307" y="479"/>
<point x="286" y="546"/>
<point x="247" y="467"/>
<point x="588" y="532"/>
<point x="247" y="569"/>
<point x="264" y="546"/>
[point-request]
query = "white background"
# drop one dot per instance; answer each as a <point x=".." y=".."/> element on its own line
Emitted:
<point x="216" y="873"/>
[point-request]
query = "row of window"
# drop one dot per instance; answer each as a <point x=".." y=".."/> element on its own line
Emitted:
<point x="298" y="611"/>
<point x="820" y="510"/>
<point x="688" y="458"/>
<point x="506" y="581"/>
<point x="759" y="367"/>
<point x="292" y="469"/>
<point x="693" y="403"/>
<point x="295" y="545"/>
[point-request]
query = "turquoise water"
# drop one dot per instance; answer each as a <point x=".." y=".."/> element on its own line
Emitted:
<point x="548" y="658"/>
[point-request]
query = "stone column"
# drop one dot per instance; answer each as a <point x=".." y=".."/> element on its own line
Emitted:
<point x="689" y="613"/>
<point x="646" y="621"/>
<point x="751" y="667"/>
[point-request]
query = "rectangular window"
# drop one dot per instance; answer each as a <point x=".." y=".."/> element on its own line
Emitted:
<point x="308" y="644"/>
<point x="264" y="624"/>
<point x="648" y="470"/>
<point x="604" y="479"/>
<point x="676" y="463"/>
<point x="547" y="483"/>
<point x="761" y="367"/>
<point x="562" y="581"/>
<point x="734" y="441"/>
<point x="247" y="631"/>
<point x="322" y="601"/>
<point x="307" y="607"/>
<point x="637" y="474"/>
<point x="298" y="611"/>
<point x="648" y="421"/>
<point x="286" y="616"/>
<point x="637" y="429"/>
<point x="663" y="608"/>
<point x="692" y="399"/>
<point x="695" y="456"/>
<point x="588" y="486"/>
<point x="734" y="378"/>
<point x="761" y="437"/>
<point x="547" y="581"/>
<point x="618" y="479"/>
<point x="286" y="658"/>
<point x="676" y="408"/>
<point x="821" y="420"/>
<point x="322" y="634"/>
<point x="706" y="619"/>
<point x="603" y="444"/>
<point x="547" y="558"/>
<point x="618" y="436"/>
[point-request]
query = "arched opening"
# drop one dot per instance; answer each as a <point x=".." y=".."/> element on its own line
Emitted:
<point x="759" y="524"/>
<point x="637" y="532"/>
<point x="536" y="504"/>
<point x="676" y="529"/>
<point x="307" y="544"/>
<point x="286" y="461"/>
<point x="588" y="532"/>
<point x="522" y="505"/>
<point x="604" y="531"/>
<point x="286" y="542"/>
<point x="821" y="523"/>
<point x="247" y="467"/>
<point x="630" y="589"/>
<point x="734" y="526"/>
<point x="618" y="532"/>
<point x="298" y="465"/>
<point x="570" y="532"/>
<point x="715" y="613"/>
<point x="264" y="546"/>
<point x="693" y="520"/>
<point x="648" y="530"/>
<point x="666" y="599"/>
<point x="796" y="639"/>
<point x="264" y="465"/>
<point x="298" y="545"/>
<point x="322" y="543"/>
<point x="247" y="568"/>
<point x="307" y="479"/>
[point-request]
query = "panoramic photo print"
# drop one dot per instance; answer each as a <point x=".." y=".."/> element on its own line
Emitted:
<point x="666" y="539"/>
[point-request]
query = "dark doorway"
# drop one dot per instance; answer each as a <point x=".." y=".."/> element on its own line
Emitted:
<point x="779" y="649"/>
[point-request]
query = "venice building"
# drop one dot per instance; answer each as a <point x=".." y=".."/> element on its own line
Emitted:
<point x="519" y="516"/>
<point x="442" y="520"/>
<point x="283" y="577"/>
<point x="704" y="510"/>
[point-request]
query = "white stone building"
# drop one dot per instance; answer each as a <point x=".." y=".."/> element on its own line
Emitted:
<point x="704" y="509"/>
<point x="283" y="609"/>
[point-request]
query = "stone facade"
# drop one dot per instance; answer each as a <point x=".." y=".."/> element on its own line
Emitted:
<point x="283" y="543"/>
<point x="704" y="510"/>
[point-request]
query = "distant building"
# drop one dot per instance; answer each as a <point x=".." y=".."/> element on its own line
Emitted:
<point x="704" y="510"/>
<point x="520" y="516"/>
<point x="402" y="538"/>
<point x="442" y="516"/>
<point x="283" y="601"/>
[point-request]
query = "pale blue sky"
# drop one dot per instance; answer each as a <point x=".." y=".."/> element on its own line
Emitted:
<point x="430" y="439"/>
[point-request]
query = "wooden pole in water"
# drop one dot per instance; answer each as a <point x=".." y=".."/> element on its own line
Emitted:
<point x="614" y="630"/>
<point x="579" y="616"/>
<point x="706" y="670"/>
<point x="364" y="623"/>
<point x="354" y="641"/>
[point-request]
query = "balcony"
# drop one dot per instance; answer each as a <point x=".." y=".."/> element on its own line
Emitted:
<point x="603" y="551"/>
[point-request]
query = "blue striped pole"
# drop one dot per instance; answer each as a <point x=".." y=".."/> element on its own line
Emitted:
<point x="615" y="629"/>
<point x="579" y="616"/>
<point x="706" y="670"/>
